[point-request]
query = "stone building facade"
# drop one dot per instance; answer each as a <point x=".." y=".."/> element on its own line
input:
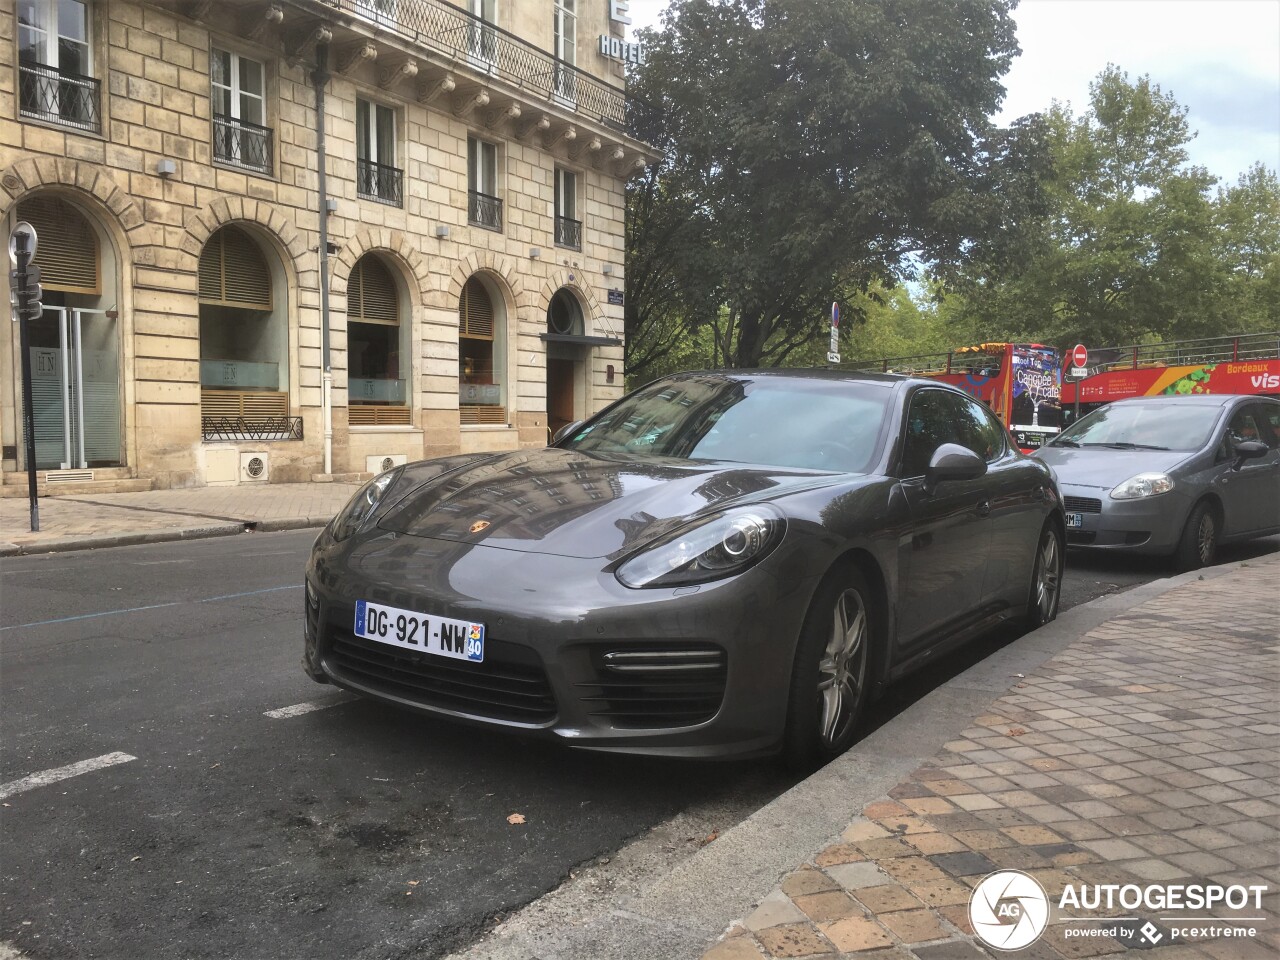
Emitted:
<point x="466" y="244"/>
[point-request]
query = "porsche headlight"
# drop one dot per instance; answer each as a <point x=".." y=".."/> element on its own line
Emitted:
<point x="1143" y="485"/>
<point x="709" y="550"/>
<point x="362" y="506"/>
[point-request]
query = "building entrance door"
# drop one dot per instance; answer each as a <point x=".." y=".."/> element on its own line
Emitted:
<point x="75" y="389"/>
<point x="560" y="406"/>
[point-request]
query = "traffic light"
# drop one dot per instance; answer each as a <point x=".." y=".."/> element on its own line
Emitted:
<point x="25" y="293"/>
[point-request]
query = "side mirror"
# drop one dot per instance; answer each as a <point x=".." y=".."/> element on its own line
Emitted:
<point x="1248" y="450"/>
<point x="564" y="431"/>
<point x="952" y="462"/>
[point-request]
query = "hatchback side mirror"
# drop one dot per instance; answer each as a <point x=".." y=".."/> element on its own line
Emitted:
<point x="564" y="431"/>
<point x="952" y="462"/>
<point x="1248" y="450"/>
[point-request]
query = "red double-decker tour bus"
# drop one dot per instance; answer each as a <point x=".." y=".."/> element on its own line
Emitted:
<point x="1247" y="363"/>
<point x="1020" y="382"/>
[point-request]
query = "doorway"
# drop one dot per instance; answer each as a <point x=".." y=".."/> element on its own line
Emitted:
<point x="75" y="388"/>
<point x="561" y="374"/>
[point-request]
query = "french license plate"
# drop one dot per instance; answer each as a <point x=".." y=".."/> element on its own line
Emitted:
<point x="1075" y="519"/>
<point x="459" y="639"/>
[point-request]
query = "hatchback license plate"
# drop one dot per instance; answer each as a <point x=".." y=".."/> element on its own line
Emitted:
<point x="459" y="639"/>
<point x="1075" y="519"/>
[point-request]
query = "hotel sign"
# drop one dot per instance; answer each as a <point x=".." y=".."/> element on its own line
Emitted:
<point x="615" y="48"/>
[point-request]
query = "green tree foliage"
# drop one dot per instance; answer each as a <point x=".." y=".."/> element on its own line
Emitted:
<point x="1134" y="245"/>
<point x="812" y="148"/>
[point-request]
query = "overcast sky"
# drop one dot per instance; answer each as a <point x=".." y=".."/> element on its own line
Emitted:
<point x="1219" y="58"/>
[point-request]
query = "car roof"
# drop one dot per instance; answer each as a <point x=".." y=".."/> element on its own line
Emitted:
<point x="1193" y="399"/>
<point x="810" y="373"/>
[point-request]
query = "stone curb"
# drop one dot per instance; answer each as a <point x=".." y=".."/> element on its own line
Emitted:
<point x="97" y="541"/>
<point x="676" y="916"/>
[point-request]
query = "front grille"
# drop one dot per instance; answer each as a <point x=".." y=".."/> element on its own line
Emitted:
<point x="647" y="687"/>
<point x="1081" y="537"/>
<point x="1082" y="505"/>
<point x="509" y="685"/>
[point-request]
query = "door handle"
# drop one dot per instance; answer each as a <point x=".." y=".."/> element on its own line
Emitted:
<point x="984" y="508"/>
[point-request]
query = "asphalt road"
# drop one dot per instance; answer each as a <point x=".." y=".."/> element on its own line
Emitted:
<point x="353" y="830"/>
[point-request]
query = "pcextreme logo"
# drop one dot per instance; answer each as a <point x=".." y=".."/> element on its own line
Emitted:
<point x="1009" y="910"/>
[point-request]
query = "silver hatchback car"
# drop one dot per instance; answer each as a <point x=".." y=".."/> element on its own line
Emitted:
<point x="1175" y="475"/>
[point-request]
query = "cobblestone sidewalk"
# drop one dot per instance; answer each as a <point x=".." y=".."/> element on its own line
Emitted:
<point x="110" y="519"/>
<point x="1146" y="752"/>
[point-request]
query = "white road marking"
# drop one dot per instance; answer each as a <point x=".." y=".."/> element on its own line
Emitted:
<point x="298" y="709"/>
<point x="46" y="777"/>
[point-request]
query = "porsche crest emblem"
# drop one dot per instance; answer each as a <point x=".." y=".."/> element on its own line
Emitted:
<point x="479" y="525"/>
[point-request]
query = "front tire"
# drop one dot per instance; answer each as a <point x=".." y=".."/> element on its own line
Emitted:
<point x="1198" y="545"/>
<point x="830" y="678"/>
<point x="1046" y="579"/>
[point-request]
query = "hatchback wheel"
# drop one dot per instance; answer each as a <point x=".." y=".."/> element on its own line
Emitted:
<point x="1046" y="579"/>
<point x="1199" y="543"/>
<point x="830" y="677"/>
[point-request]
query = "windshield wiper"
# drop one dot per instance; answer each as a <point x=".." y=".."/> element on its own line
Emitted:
<point x="1126" y="445"/>
<point x="1063" y="443"/>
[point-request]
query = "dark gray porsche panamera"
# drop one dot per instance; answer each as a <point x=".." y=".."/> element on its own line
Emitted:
<point x="718" y="564"/>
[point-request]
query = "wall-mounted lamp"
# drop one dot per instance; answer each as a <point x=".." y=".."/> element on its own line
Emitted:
<point x="442" y="231"/>
<point x="607" y="269"/>
<point x="534" y="253"/>
<point x="330" y="205"/>
<point x="166" y="168"/>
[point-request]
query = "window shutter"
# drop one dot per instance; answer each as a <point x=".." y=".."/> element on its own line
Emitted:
<point x="233" y="271"/>
<point x="67" y="247"/>
<point x="475" y="311"/>
<point x="371" y="293"/>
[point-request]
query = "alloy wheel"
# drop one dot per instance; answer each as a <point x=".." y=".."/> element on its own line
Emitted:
<point x="843" y="669"/>
<point x="1047" y="584"/>
<point x="1206" y="534"/>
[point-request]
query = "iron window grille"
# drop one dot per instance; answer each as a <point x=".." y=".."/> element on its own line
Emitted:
<point x="484" y="210"/>
<point x="47" y="93"/>
<point x="251" y="428"/>
<point x="377" y="181"/>
<point x="242" y="144"/>
<point x="569" y="233"/>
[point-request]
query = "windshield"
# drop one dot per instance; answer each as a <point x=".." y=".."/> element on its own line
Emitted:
<point x="814" y="424"/>
<point x="1143" y="426"/>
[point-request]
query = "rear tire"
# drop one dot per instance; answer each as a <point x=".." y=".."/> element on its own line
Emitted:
<point x="1046" y="579"/>
<point x="830" y="679"/>
<point x="1198" y="545"/>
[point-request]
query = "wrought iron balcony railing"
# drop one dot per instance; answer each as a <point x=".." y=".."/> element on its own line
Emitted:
<point x="242" y="144"/>
<point x="375" y="181"/>
<point x="484" y="210"/>
<point x="568" y="233"/>
<point x="46" y="93"/>
<point x="463" y="36"/>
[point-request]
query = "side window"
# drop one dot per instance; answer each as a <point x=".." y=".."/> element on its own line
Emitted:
<point x="978" y="430"/>
<point x="1242" y="426"/>
<point x="1266" y="416"/>
<point x="931" y="422"/>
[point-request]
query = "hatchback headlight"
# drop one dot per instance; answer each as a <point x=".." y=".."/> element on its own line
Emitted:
<point x="1143" y="485"/>
<point x="708" y="550"/>
<point x="363" y="505"/>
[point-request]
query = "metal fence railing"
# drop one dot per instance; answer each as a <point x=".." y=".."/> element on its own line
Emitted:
<point x="46" y="93"/>
<point x="242" y="144"/>
<point x="251" y="428"/>
<point x="1249" y="346"/>
<point x="569" y="233"/>
<point x="376" y="181"/>
<point x="463" y="36"/>
<point x="484" y="210"/>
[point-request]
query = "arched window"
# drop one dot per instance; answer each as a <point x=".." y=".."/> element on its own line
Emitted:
<point x="564" y="314"/>
<point x="244" y="337"/>
<point x="481" y="356"/>
<point x="377" y="386"/>
<point x="68" y="246"/>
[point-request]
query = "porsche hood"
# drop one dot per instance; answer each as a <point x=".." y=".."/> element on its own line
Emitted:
<point x="567" y="503"/>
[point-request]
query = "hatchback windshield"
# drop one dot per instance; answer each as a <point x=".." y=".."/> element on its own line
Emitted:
<point x="1142" y="426"/>
<point x="815" y="424"/>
